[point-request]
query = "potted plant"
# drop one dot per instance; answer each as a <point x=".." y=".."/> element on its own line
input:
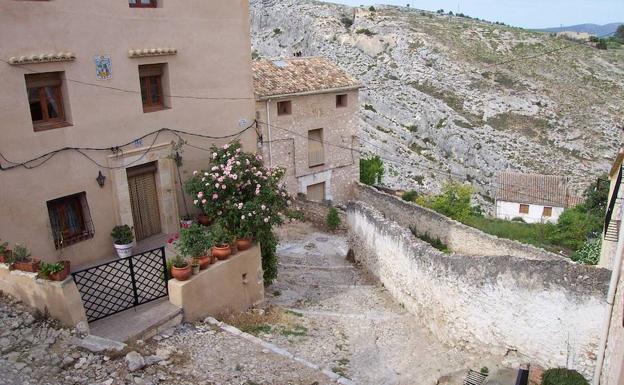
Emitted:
<point x="243" y="239"/>
<point x="21" y="260"/>
<point x="186" y="222"/>
<point x="53" y="271"/>
<point x="194" y="242"/>
<point x="221" y="238"/>
<point x="180" y="268"/>
<point x="195" y="266"/>
<point x="5" y="253"/>
<point x="123" y="240"/>
<point x="204" y="219"/>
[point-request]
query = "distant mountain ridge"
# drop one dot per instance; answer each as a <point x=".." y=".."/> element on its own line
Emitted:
<point x="593" y="29"/>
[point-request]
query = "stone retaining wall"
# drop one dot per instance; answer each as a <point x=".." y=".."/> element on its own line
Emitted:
<point x="316" y="213"/>
<point x="549" y="311"/>
<point x="61" y="300"/>
<point x="457" y="236"/>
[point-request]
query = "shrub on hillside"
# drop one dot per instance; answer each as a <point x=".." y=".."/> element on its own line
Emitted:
<point x="371" y="170"/>
<point x="454" y="202"/>
<point x="410" y="196"/>
<point x="333" y="219"/>
<point x="589" y="254"/>
<point x="575" y="225"/>
<point x="346" y="21"/>
<point x="562" y="376"/>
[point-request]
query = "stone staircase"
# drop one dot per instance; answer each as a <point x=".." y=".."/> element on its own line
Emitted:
<point x="613" y="231"/>
<point x="141" y="322"/>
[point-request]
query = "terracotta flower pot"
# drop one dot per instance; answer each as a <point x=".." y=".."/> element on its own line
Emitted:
<point x="182" y="273"/>
<point x="204" y="261"/>
<point x="221" y="252"/>
<point x="67" y="265"/>
<point x="30" y="266"/>
<point x="5" y="256"/>
<point x="243" y="244"/>
<point x="60" y="276"/>
<point x="204" y="220"/>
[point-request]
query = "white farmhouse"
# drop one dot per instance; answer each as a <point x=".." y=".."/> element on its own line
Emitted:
<point x="533" y="197"/>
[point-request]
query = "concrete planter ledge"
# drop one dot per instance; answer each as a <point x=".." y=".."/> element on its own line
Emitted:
<point x="61" y="300"/>
<point x="229" y="286"/>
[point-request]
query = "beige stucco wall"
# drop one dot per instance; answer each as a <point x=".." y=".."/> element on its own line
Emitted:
<point x="61" y="300"/>
<point x="229" y="286"/>
<point x="290" y="150"/>
<point x="213" y="61"/>
<point x="613" y="368"/>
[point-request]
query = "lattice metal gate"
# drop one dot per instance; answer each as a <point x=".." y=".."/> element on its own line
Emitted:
<point x="122" y="284"/>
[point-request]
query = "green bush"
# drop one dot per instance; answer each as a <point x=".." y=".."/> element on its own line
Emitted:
<point x="371" y="170"/>
<point x="333" y="219"/>
<point x="434" y="242"/>
<point x="410" y="196"/>
<point x="575" y="225"/>
<point x="277" y="31"/>
<point x="371" y="8"/>
<point x="122" y="235"/>
<point x="194" y="241"/>
<point x="369" y="107"/>
<point x="589" y="254"/>
<point x="562" y="376"/>
<point x="454" y="202"/>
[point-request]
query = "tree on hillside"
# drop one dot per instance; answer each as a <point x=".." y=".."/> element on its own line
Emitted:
<point x="371" y="170"/>
<point x="597" y="195"/>
<point x="619" y="33"/>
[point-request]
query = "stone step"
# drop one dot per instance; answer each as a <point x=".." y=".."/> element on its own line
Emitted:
<point x="141" y="322"/>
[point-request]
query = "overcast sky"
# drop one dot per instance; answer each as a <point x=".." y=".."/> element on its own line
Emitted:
<point x="521" y="13"/>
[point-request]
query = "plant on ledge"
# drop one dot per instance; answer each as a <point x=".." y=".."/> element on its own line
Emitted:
<point x="123" y="239"/>
<point x="194" y="243"/>
<point x="53" y="271"/>
<point x="242" y="193"/>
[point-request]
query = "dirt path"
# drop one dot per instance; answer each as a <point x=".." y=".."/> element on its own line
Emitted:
<point x="352" y="325"/>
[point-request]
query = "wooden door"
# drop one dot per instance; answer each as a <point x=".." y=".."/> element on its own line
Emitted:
<point x="144" y="201"/>
<point x="316" y="192"/>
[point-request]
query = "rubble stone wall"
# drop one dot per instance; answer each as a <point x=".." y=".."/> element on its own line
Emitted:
<point x="547" y="311"/>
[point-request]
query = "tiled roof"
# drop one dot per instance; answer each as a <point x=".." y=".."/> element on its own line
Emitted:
<point x="298" y="75"/>
<point x="548" y="190"/>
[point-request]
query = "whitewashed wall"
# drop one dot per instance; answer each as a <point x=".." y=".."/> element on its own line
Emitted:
<point x="549" y="311"/>
<point x="510" y="210"/>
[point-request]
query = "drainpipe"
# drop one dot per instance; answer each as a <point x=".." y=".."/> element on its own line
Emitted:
<point x="615" y="277"/>
<point x="268" y="110"/>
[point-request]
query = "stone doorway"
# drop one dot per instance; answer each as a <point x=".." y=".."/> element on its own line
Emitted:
<point x="144" y="200"/>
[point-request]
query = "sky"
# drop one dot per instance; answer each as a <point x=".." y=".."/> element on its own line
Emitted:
<point x="521" y="13"/>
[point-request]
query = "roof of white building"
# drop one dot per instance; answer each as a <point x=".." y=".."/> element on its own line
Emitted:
<point x="300" y="75"/>
<point x="546" y="190"/>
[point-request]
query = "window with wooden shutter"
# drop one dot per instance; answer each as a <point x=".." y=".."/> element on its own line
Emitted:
<point x="70" y="220"/>
<point x="524" y="209"/>
<point x="45" y="98"/>
<point x="316" y="151"/>
<point x="547" y="212"/>
<point x="151" y="77"/>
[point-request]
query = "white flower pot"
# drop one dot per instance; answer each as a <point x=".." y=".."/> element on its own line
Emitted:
<point x="124" y="251"/>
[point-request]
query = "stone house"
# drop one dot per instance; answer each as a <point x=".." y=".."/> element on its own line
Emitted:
<point x="307" y="113"/>
<point x="87" y="88"/>
<point x="611" y="370"/>
<point x="533" y="197"/>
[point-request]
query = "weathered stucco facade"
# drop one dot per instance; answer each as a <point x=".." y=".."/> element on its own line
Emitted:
<point x="547" y="311"/>
<point x="207" y="89"/>
<point x="286" y="141"/>
<point x="612" y="371"/>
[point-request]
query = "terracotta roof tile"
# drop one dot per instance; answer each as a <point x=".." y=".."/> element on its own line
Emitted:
<point x="548" y="190"/>
<point x="298" y="75"/>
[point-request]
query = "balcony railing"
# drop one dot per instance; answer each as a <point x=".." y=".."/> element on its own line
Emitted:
<point x="316" y="158"/>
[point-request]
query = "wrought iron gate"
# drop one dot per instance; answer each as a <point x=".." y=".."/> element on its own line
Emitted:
<point x="122" y="284"/>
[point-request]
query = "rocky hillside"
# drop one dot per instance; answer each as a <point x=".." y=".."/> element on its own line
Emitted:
<point x="451" y="98"/>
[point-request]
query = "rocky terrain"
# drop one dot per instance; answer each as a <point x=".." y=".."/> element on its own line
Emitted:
<point x="454" y="98"/>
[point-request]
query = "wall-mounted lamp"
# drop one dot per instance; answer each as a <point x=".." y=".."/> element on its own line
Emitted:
<point x="100" y="179"/>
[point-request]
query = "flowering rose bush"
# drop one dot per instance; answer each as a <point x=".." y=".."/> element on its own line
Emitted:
<point x="243" y="194"/>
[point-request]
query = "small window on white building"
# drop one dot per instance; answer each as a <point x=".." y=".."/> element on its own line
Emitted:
<point x="524" y="209"/>
<point x="284" y="108"/>
<point x="547" y="212"/>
